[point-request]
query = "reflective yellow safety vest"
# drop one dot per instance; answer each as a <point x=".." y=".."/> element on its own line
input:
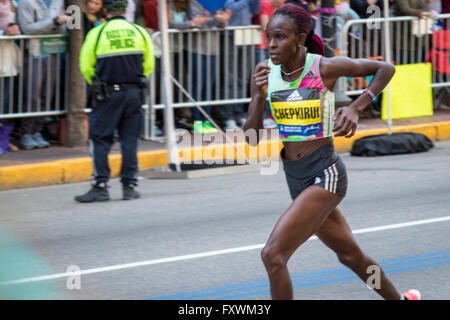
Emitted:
<point x="117" y="51"/>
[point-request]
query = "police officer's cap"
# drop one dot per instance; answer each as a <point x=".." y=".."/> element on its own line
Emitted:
<point x="115" y="5"/>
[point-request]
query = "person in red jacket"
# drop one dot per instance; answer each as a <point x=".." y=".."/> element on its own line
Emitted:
<point x="150" y="13"/>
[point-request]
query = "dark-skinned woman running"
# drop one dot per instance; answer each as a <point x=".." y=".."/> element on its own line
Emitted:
<point x="299" y="85"/>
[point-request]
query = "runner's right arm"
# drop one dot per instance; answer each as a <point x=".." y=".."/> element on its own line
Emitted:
<point x="258" y="90"/>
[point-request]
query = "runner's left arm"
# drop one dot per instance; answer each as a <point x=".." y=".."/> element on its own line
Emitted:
<point x="333" y="68"/>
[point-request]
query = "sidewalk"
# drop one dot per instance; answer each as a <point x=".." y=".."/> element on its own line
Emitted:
<point x="58" y="164"/>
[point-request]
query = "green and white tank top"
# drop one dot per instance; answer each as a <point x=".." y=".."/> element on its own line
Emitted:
<point x="303" y="109"/>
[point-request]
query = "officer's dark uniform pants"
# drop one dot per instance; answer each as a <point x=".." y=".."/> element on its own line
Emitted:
<point x="122" y="111"/>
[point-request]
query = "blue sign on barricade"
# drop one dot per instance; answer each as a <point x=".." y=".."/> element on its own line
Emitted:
<point x="212" y="5"/>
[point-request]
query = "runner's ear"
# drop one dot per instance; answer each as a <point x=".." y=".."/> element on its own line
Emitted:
<point x="301" y="40"/>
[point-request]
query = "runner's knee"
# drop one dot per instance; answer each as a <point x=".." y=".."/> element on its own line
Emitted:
<point x="351" y="258"/>
<point x="272" y="258"/>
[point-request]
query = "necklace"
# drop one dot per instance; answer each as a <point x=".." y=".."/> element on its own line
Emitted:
<point x="299" y="69"/>
<point x="289" y="73"/>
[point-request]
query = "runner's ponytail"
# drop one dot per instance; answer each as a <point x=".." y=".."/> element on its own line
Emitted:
<point x="314" y="43"/>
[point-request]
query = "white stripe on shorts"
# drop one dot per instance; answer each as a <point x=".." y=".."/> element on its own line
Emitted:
<point x="332" y="180"/>
<point x="336" y="173"/>
<point x="329" y="180"/>
<point x="331" y="175"/>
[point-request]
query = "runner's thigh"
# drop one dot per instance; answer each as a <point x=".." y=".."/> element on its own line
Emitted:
<point x="302" y="219"/>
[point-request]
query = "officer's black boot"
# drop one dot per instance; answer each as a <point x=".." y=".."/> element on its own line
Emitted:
<point x="129" y="193"/>
<point x="98" y="192"/>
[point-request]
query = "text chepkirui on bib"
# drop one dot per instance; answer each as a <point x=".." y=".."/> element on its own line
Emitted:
<point x="297" y="111"/>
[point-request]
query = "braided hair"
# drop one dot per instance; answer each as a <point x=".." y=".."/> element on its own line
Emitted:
<point x="303" y="24"/>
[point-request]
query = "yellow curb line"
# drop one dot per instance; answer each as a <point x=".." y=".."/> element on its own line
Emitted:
<point x="80" y="169"/>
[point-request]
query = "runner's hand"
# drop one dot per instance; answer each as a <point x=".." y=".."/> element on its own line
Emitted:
<point x="347" y="122"/>
<point x="260" y="80"/>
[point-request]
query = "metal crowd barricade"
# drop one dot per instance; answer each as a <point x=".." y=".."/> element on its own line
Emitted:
<point x="239" y="43"/>
<point x="225" y="88"/>
<point x="412" y="41"/>
<point x="39" y="86"/>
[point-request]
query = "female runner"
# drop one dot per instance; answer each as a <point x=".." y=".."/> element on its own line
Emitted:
<point x="299" y="82"/>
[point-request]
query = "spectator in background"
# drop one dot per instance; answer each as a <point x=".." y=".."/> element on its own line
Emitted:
<point x="188" y="14"/>
<point x="9" y="68"/>
<point x="92" y="14"/>
<point x="445" y="8"/>
<point x="38" y="17"/>
<point x="268" y="7"/>
<point x="8" y="50"/>
<point x="361" y="6"/>
<point x="92" y="17"/>
<point x="131" y="11"/>
<point x="345" y="13"/>
<point x="138" y="15"/>
<point x="7" y="17"/>
<point x="242" y="12"/>
<point x="297" y="2"/>
<point x="434" y="5"/>
<point x="178" y="19"/>
<point x="409" y="50"/>
<point x="311" y="6"/>
<point x="150" y="14"/>
<point x="372" y="37"/>
<point x="417" y="8"/>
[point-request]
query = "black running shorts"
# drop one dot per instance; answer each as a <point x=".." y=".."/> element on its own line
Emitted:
<point x="322" y="168"/>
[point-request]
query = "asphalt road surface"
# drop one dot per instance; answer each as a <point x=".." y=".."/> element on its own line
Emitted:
<point x="201" y="238"/>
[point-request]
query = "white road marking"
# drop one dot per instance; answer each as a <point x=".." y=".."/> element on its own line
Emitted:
<point x="209" y="253"/>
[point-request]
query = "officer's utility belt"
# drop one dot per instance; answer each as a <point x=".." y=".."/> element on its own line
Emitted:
<point x="123" y="87"/>
<point x="107" y="89"/>
<point x="103" y="90"/>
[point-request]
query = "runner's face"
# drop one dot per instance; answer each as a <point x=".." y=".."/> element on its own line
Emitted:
<point x="283" y="42"/>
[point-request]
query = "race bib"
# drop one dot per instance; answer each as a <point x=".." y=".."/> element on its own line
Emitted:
<point x="297" y="112"/>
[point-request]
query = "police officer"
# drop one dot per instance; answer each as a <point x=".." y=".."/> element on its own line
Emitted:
<point x="115" y="59"/>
